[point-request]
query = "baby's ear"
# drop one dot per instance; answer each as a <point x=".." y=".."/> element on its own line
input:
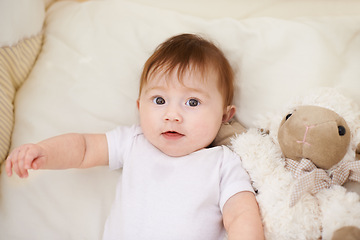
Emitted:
<point x="357" y="152"/>
<point x="229" y="113"/>
<point x="138" y="103"/>
<point x="227" y="131"/>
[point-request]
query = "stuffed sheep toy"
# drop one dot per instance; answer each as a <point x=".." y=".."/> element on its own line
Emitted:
<point x="304" y="166"/>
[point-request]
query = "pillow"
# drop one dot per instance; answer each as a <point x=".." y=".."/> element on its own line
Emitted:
<point x="15" y="64"/>
<point x="86" y="80"/>
<point x="20" y="43"/>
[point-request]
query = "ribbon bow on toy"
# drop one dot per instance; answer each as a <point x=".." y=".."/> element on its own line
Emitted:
<point x="312" y="179"/>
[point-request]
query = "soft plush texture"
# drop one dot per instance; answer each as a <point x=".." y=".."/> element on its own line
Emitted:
<point x="315" y="133"/>
<point x="86" y="80"/>
<point x="313" y="215"/>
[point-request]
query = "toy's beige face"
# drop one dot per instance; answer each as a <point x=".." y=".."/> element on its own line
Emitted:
<point x="315" y="133"/>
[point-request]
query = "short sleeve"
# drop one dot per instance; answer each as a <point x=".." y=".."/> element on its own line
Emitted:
<point x="119" y="142"/>
<point x="234" y="178"/>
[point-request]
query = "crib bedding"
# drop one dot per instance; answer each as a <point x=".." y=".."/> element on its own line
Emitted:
<point x="86" y="80"/>
<point x="20" y="44"/>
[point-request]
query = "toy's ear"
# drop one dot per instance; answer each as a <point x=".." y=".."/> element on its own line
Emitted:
<point x="357" y="152"/>
<point x="227" y="131"/>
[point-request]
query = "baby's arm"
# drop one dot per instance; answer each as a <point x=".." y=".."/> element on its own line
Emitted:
<point x="241" y="217"/>
<point x="60" y="152"/>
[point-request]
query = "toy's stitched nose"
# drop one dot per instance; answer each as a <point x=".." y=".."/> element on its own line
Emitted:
<point x="305" y="135"/>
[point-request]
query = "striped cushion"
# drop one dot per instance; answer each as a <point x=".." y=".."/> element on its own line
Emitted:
<point x="15" y="65"/>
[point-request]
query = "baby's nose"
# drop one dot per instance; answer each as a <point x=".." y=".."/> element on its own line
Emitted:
<point x="173" y="115"/>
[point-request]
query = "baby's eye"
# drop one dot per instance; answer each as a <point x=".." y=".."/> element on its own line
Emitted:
<point x="192" y="102"/>
<point x="159" y="100"/>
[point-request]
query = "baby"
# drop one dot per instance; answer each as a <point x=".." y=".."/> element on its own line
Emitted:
<point x="173" y="186"/>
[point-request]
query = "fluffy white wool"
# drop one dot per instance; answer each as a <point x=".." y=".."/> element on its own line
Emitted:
<point x="262" y="159"/>
<point x="328" y="210"/>
<point x="339" y="208"/>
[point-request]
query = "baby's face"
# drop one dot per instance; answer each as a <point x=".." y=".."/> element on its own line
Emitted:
<point x="180" y="118"/>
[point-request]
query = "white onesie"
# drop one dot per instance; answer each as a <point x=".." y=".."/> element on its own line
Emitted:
<point x="166" y="198"/>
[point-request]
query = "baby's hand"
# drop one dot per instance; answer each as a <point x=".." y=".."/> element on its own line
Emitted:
<point x="23" y="158"/>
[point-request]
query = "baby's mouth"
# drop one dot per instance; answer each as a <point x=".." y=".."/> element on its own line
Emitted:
<point x="172" y="135"/>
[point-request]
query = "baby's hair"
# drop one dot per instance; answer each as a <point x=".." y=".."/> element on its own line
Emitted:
<point x="187" y="52"/>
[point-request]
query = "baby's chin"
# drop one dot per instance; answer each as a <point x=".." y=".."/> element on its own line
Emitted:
<point x="179" y="151"/>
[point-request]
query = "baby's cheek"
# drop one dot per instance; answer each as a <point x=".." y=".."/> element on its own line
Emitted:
<point x="208" y="131"/>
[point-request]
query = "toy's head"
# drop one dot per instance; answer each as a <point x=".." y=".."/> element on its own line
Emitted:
<point x="316" y="133"/>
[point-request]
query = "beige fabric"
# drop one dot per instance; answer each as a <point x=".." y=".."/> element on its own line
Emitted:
<point x="312" y="179"/>
<point x="227" y="132"/>
<point x="15" y="64"/>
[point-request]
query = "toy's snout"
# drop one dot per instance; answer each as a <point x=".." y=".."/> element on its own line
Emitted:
<point x="303" y="141"/>
<point x="315" y="133"/>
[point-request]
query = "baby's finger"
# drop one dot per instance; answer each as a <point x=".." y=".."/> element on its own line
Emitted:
<point x="16" y="169"/>
<point x="37" y="163"/>
<point x="21" y="171"/>
<point x="32" y="154"/>
<point x="21" y="156"/>
<point x="13" y="159"/>
<point x="18" y="162"/>
<point x="8" y="166"/>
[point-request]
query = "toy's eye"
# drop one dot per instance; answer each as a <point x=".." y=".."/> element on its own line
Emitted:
<point x="193" y="102"/>
<point x="287" y="116"/>
<point x="341" y="130"/>
<point x="159" y="100"/>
